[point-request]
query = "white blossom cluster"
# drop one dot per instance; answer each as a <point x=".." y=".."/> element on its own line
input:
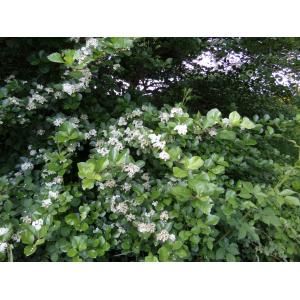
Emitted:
<point x="3" y="230"/>
<point x="131" y="169"/>
<point x="34" y="99"/>
<point x="26" y="166"/>
<point x="90" y="134"/>
<point x="58" y="121"/>
<point x="37" y="224"/>
<point x="3" y="246"/>
<point x="164" y="236"/>
<point x="146" y="227"/>
<point x="181" y="129"/>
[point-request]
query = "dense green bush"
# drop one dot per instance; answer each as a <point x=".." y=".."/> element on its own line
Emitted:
<point x="96" y="171"/>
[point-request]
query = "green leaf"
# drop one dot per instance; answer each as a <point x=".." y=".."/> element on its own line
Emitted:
<point x="92" y="253"/>
<point x="123" y="157"/>
<point x="247" y="124"/>
<point x="151" y="258"/>
<point x="218" y="170"/>
<point x="79" y="242"/>
<point x="86" y="169"/>
<point x="226" y="135"/>
<point x="100" y="164"/>
<point x="55" y="57"/>
<point x="179" y="173"/>
<point x="193" y="163"/>
<point x="29" y="249"/>
<point x="72" y="219"/>
<point x="181" y="193"/>
<point x="88" y="183"/>
<point x="220" y="254"/>
<point x="292" y="201"/>
<point x="113" y="154"/>
<point x="202" y="188"/>
<point x="27" y="237"/>
<point x="212" y="220"/>
<point x="182" y="253"/>
<point x="287" y="192"/>
<point x="212" y="118"/>
<point x="72" y="252"/>
<point x="164" y="254"/>
<point x="234" y="118"/>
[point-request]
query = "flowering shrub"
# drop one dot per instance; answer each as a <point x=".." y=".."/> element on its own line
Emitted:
<point x="141" y="183"/>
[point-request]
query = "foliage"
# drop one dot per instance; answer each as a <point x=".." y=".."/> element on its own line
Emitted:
<point x="95" y="170"/>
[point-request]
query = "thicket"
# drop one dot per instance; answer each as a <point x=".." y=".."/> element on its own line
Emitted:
<point x="149" y="149"/>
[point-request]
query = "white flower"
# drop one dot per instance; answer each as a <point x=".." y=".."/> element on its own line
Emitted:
<point x="84" y="117"/>
<point x="159" y="145"/>
<point x="53" y="195"/>
<point x="102" y="151"/>
<point x="130" y="217"/>
<point x="32" y="152"/>
<point x="38" y="98"/>
<point x="89" y="134"/>
<point x="137" y="123"/>
<point x="176" y="111"/>
<point x="146" y="227"/>
<point x="16" y="237"/>
<point x="26" y="219"/>
<point x="164" y="216"/>
<point x="145" y="177"/>
<point x="147" y="185"/>
<point x="156" y="142"/>
<point x="212" y="132"/>
<point x="58" y="121"/>
<point x="122" y="208"/>
<point x="136" y="113"/>
<point x="225" y="122"/>
<point x="150" y="213"/>
<point x="3" y="230"/>
<point x="126" y="187"/>
<point x="46" y="203"/>
<point x="122" y="122"/>
<point x="37" y="224"/>
<point x="3" y="247"/>
<point x="110" y="183"/>
<point x="164" y="155"/>
<point x="181" y="129"/>
<point x="26" y="166"/>
<point x="93" y="132"/>
<point x="164" y="236"/>
<point x="172" y="237"/>
<point x="164" y="117"/>
<point x="69" y="88"/>
<point x="154" y="138"/>
<point x="58" y="179"/>
<point x="154" y="203"/>
<point x="92" y="42"/>
<point x="96" y="230"/>
<point x="40" y="132"/>
<point x="131" y="169"/>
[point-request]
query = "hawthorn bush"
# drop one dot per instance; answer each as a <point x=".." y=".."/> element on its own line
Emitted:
<point x="96" y="171"/>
